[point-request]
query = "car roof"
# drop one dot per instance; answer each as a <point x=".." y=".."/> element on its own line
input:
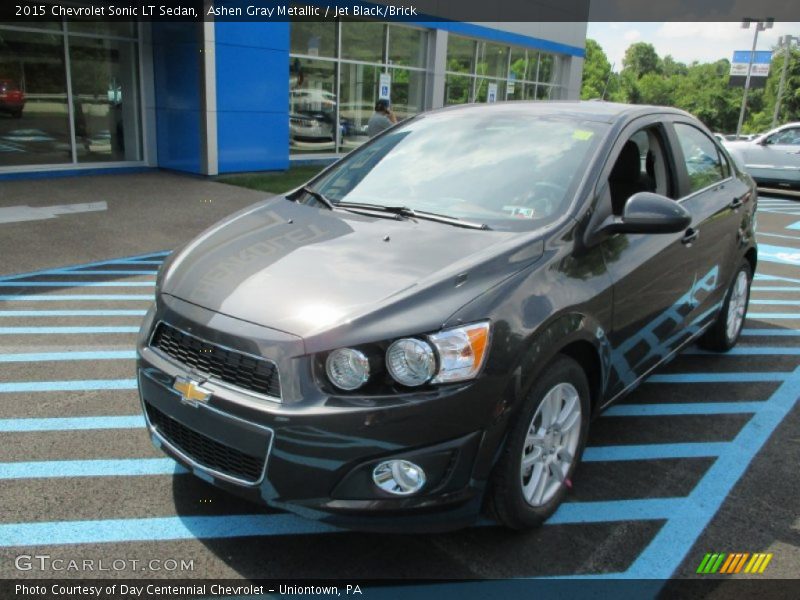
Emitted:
<point x="590" y="110"/>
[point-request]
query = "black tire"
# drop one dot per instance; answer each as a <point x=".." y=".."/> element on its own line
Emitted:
<point x="506" y="501"/>
<point x="17" y="114"/>
<point x="717" y="337"/>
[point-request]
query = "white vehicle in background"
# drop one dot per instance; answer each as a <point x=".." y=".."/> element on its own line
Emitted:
<point x="772" y="158"/>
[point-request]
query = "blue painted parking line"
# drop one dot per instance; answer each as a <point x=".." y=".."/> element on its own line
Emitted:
<point x="72" y="313"/>
<point x="693" y="408"/>
<point x="748" y="351"/>
<point x="616" y="510"/>
<point x="771" y="332"/>
<point x="64" y="330"/>
<point x="93" y="272"/>
<point x="653" y="451"/>
<point x="76" y="297"/>
<point x="659" y="560"/>
<point x="68" y="386"/>
<point x="775" y="302"/>
<point x="124" y="467"/>
<point x="716" y="377"/>
<point x="777" y="235"/>
<point x="140" y="259"/>
<point x="29" y="357"/>
<point x="71" y="423"/>
<point x="157" y="528"/>
<point x="779" y="254"/>
<point x="761" y="277"/>
<point x="782" y="316"/>
<point x="773" y="288"/>
<point x="4" y="283"/>
<point x="240" y="526"/>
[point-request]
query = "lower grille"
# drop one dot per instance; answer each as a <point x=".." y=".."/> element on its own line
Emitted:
<point x="205" y="451"/>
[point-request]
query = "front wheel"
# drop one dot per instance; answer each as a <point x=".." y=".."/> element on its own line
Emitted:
<point x="725" y="331"/>
<point x="543" y="448"/>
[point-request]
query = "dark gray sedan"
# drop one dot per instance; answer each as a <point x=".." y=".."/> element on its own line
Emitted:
<point x="427" y="328"/>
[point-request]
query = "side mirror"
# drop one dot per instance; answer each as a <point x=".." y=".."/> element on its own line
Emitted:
<point x="764" y="141"/>
<point x="647" y="212"/>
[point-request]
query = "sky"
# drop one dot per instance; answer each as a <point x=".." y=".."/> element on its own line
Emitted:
<point x="686" y="42"/>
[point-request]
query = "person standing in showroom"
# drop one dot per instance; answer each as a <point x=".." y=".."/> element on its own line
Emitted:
<point x="381" y="119"/>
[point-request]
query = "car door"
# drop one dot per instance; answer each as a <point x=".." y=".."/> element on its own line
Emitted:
<point x="652" y="274"/>
<point x="718" y="202"/>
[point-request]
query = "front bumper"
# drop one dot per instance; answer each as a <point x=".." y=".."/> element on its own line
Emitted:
<point x="313" y="453"/>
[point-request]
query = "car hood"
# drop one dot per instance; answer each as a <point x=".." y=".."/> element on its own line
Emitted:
<point x="306" y="270"/>
<point x="739" y="144"/>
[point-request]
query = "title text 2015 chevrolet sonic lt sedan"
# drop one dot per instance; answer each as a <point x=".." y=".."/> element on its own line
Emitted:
<point x="427" y="327"/>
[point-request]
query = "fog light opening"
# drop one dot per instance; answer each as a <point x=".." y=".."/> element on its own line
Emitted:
<point x="399" y="477"/>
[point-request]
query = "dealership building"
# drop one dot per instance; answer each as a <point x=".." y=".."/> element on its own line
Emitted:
<point x="221" y="97"/>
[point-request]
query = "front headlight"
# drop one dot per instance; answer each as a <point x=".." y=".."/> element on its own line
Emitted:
<point x="461" y="350"/>
<point x="347" y="368"/>
<point x="452" y="355"/>
<point x="411" y="361"/>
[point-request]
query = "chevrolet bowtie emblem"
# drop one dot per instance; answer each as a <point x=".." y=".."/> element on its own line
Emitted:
<point x="190" y="391"/>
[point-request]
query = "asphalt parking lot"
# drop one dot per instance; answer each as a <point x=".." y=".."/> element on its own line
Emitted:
<point x="701" y="459"/>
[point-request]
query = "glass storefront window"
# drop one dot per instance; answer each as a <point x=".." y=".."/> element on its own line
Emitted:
<point x="457" y="89"/>
<point x="105" y="99"/>
<point x="407" y="46"/>
<point x="103" y="94"/>
<point x="492" y="60"/>
<point x="524" y="63"/>
<point x="518" y="72"/>
<point x="312" y="106"/>
<point x="332" y="98"/>
<point x="460" y="54"/>
<point x="544" y="92"/>
<point x="482" y="89"/>
<point x="359" y="92"/>
<point x="546" y="68"/>
<point x="313" y="38"/>
<point x="363" y="41"/>
<point x="408" y="93"/>
<point x="34" y="115"/>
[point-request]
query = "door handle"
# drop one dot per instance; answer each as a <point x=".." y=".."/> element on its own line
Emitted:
<point x="736" y="203"/>
<point x="690" y="236"/>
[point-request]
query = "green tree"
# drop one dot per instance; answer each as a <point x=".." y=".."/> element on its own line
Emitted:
<point x="700" y="88"/>
<point x="596" y="72"/>
<point x="640" y="59"/>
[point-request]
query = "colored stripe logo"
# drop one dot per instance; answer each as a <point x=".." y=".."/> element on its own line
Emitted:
<point x="732" y="563"/>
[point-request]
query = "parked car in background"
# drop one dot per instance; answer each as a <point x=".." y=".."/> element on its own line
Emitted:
<point x="772" y="158"/>
<point x="12" y="100"/>
<point x="427" y="328"/>
<point x="312" y="115"/>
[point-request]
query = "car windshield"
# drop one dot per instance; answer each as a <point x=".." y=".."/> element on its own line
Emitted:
<point x="501" y="168"/>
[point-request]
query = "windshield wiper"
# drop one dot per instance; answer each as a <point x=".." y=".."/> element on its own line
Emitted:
<point x="318" y="196"/>
<point x="405" y="211"/>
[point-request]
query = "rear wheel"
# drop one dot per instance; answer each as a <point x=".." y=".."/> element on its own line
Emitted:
<point x="543" y="448"/>
<point x="725" y="331"/>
